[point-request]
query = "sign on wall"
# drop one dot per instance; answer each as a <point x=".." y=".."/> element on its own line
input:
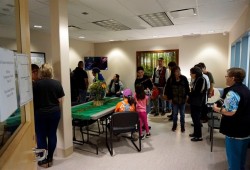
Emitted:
<point x="24" y="79"/>
<point x="8" y="97"/>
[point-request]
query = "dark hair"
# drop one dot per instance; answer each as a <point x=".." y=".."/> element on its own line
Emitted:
<point x="117" y="76"/>
<point x="198" y="65"/>
<point x="96" y="70"/>
<point x="174" y="69"/>
<point x="140" y="68"/>
<point x="202" y="65"/>
<point x="79" y="63"/>
<point x="239" y="74"/>
<point x="140" y="93"/>
<point x="197" y="71"/>
<point x="161" y="58"/>
<point x="171" y="64"/>
<point x="34" y="67"/>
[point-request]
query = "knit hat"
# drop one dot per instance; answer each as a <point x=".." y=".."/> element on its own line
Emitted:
<point x="127" y="92"/>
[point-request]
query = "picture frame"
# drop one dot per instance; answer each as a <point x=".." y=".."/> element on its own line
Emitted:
<point x="38" y="58"/>
<point x="149" y="59"/>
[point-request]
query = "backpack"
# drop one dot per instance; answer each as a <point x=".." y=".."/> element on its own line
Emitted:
<point x="126" y="106"/>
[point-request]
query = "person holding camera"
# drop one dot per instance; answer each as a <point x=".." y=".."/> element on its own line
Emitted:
<point x="235" y="119"/>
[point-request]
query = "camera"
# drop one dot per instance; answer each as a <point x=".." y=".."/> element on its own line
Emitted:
<point x="219" y="102"/>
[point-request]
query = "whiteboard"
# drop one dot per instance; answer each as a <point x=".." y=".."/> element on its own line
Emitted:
<point x="8" y="96"/>
<point x="24" y="78"/>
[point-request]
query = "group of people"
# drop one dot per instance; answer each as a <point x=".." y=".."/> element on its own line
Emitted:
<point x="175" y="89"/>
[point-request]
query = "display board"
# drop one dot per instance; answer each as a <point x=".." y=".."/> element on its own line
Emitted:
<point x="8" y="96"/>
<point x="24" y="79"/>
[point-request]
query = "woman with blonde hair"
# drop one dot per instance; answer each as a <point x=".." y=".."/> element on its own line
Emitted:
<point x="48" y="95"/>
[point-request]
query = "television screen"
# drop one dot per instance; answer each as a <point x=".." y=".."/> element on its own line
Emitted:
<point x="100" y="62"/>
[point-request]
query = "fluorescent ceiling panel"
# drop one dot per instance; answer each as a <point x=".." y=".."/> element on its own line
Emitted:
<point x="159" y="19"/>
<point x="112" y="25"/>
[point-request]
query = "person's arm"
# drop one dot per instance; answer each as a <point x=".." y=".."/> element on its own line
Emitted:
<point x="121" y="86"/>
<point x="230" y="105"/>
<point x="86" y="82"/>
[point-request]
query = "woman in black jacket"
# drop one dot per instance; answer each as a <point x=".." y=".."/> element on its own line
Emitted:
<point x="197" y="95"/>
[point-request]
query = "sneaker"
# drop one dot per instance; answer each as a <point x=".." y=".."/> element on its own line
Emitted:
<point x="148" y="135"/>
<point x="156" y="114"/>
<point x="163" y="113"/>
<point x="44" y="163"/>
<point x="170" y="119"/>
<point x="191" y="135"/>
<point x="142" y="137"/>
<point x="170" y="116"/>
<point x="195" y="139"/>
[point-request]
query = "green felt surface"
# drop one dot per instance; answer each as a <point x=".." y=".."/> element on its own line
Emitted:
<point x="86" y="110"/>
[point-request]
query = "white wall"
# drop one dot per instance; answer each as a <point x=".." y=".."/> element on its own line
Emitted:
<point x="210" y="49"/>
<point x="240" y="27"/>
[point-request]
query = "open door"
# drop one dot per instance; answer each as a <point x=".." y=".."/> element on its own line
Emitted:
<point x="18" y="153"/>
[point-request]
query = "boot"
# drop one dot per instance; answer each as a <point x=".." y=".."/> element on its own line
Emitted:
<point x="182" y="128"/>
<point x="174" y="127"/>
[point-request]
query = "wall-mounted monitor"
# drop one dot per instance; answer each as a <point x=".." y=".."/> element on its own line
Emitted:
<point x="96" y="61"/>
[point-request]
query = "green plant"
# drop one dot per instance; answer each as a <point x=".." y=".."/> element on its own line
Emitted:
<point x="97" y="90"/>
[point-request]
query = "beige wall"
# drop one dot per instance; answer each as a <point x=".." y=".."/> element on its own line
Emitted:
<point x="240" y="27"/>
<point x="41" y="42"/>
<point x="210" y="49"/>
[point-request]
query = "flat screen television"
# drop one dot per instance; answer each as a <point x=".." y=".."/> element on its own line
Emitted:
<point x="96" y="61"/>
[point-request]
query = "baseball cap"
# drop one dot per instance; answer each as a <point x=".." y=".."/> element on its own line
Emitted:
<point x="127" y="92"/>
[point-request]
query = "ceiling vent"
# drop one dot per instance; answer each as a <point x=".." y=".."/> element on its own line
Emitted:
<point x="183" y="13"/>
<point x="159" y="19"/>
<point x="112" y="25"/>
<point x="73" y="28"/>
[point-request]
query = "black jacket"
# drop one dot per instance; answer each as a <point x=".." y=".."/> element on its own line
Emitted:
<point x="238" y="125"/>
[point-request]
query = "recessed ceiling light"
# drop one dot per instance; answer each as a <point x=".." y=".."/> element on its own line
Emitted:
<point x="211" y="31"/>
<point x="38" y="26"/>
<point x="111" y="40"/>
<point x="81" y="37"/>
<point x="155" y="36"/>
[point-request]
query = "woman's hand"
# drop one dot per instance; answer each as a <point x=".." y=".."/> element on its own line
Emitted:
<point x="216" y="108"/>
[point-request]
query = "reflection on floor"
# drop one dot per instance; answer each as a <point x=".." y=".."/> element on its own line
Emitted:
<point x="164" y="150"/>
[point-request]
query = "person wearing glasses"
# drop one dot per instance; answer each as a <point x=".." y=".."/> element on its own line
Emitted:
<point x="235" y="121"/>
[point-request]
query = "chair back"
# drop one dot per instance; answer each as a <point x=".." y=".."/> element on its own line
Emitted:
<point x="124" y="119"/>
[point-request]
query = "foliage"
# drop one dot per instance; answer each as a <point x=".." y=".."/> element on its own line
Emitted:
<point x="97" y="90"/>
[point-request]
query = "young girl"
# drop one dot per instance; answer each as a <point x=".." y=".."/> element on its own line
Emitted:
<point x="141" y="102"/>
<point x="128" y="102"/>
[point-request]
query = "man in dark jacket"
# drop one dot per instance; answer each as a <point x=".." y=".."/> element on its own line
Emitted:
<point x="81" y="78"/>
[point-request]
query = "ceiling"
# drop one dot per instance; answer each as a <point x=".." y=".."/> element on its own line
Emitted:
<point x="213" y="16"/>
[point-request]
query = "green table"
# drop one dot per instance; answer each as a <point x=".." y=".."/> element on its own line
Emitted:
<point x="86" y="113"/>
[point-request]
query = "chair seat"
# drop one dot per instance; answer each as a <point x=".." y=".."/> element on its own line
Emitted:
<point x="216" y="123"/>
<point x="123" y="129"/>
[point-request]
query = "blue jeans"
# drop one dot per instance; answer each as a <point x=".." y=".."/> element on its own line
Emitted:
<point x="181" y="108"/>
<point x="161" y="101"/>
<point x="46" y="125"/>
<point x="82" y="95"/>
<point x="236" y="150"/>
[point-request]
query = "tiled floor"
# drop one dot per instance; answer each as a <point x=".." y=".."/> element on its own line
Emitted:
<point x="164" y="150"/>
